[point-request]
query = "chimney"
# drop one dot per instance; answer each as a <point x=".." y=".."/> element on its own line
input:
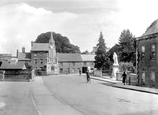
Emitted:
<point x="31" y="43"/>
<point x="17" y="53"/>
<point x="23" y="49"/>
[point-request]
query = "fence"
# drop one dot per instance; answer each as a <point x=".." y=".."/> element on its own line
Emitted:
<point x="131" y="78"/>
<point x="2" y="75"/>
<point x="17" y="75"/>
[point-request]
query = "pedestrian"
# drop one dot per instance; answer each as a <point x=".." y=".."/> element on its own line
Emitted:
<point x="124" y="78"/>
<point x="79" y="72"/>
<point x="88" y="76"/>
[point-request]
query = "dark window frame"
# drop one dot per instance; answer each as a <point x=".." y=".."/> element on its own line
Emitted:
<point x="153" y="51"/>
<point x="35" y="61"/>
<point x="143" y="52"/>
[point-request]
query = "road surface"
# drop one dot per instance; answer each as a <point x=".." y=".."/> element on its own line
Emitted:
<point x="98" y="98"/>
<point x="15" y="99"/>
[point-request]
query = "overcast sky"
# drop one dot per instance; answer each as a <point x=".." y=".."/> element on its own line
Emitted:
<point x="21" y="21"/>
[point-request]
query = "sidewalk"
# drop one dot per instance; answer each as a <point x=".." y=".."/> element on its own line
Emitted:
<point x="46" y="103"/>
<point x="119" y="84"/>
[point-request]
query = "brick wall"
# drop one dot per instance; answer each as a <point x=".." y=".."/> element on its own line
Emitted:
<point x="148" y="65"/>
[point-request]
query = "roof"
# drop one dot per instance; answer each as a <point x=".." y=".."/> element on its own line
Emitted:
<point x="24" y="56"/>
<point x="152" y="29"/>
<point x="74" y="57"/>
<point x="87" y="57"/>
<point x="67" y="57"/>
<point x="17" y="65"/>
<point x="40" y="47"/>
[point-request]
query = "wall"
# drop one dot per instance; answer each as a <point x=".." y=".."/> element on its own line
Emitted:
<point x="73" y="67"/>
<point x="69" y="67"/>
<point x="147" y="65"/>
<point x="39" y="55"/>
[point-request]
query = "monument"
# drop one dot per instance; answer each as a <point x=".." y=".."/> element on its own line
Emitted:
<point x="115" y="66"/>
<point x="52" y="64"/>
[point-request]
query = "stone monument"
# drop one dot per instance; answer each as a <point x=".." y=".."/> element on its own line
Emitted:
<point x="115" y="66"/>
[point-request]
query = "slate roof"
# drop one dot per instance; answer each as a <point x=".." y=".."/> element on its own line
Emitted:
<point x="153" y="28"/>
<point x="40" y="47"/>
<point x="8" y="65"/>
<point x="69" y="57"/>
<point x="74" y="57"/>
<point x="24" y="56"/>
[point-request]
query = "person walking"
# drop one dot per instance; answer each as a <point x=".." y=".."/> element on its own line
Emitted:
<point x="124" y="76"/>
<point x="79" y="72"/>
<point x="88" y="76"/>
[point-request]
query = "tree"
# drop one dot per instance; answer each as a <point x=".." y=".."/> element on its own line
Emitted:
<point x="127" y="52"/>
<point x="85" y="52"/>
<point x="102" y="60"/>
<point x="62" y="43"/>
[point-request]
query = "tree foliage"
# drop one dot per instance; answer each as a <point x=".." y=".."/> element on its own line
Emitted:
<point x="127" y="47"/>
<point x="62" y="43"/>
<point x="86" y="52"/>
<point x="102" y="60"/>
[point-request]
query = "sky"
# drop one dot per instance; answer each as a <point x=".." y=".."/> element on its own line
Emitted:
<point x="21" y="21"/>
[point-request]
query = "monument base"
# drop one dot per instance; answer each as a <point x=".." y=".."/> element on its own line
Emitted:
<point x="115" y="70"/>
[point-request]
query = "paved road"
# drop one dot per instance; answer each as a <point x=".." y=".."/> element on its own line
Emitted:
<point x="97" y="98"/>
<point x="16" y="98"/>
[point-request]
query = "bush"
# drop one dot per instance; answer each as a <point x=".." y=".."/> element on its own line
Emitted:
<point x="127" y="66"/>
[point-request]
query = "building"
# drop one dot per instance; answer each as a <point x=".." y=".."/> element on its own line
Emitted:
<point x="4" y="56"/>
<point x="43" y="56"/>
<point x="70" y="63"/>
<point x="147" y="57"/>
<point x="15" y="70"/>
<point x="24" y="57"/>
<point x="13" y="64"/>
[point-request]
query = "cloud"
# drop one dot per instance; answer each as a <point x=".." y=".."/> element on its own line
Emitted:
<point x="136" y="15"/>
<point x="22" y="23"/>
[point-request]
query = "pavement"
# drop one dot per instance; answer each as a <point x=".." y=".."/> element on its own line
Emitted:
<point x="119" y="84"/>
<point x="46" y="103"/>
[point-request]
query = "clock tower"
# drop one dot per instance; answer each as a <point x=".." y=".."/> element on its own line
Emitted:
<point x="52" y="64"/>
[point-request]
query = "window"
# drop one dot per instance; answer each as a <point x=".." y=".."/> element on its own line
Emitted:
<point x="152" y="77"/>
<point x="41" y="61"/>
<point x="35" y="61"/>
<point x="153" y="50"/>
<point x="41" y="53"/>
<point x="35" y="54"/>
<point x="143" y="52"/>
<point x="61" y="63"/>
<point x="61" y="70"/>
<point x="73" y="63"/>
<point x="73" y="70"/>
<point x="85" y="64"/>
<point x="143" y="78"/>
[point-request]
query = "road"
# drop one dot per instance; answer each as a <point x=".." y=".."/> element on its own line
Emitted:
<point x="16" y="99"/>
<point x="97" y="98"/>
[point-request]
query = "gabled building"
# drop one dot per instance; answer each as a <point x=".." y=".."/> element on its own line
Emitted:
<point x="70" y="63"/>
<point x="24" y="57"/>
<point x="13" y="65"/>
<point x="147" y="58"/>
<point x="43" y="56"/>
<point x="15" y="70"/>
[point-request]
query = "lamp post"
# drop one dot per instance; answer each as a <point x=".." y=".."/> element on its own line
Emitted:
<point x="136" y="43"/>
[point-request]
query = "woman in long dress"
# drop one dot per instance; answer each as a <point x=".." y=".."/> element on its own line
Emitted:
<point x="124" y="78"/>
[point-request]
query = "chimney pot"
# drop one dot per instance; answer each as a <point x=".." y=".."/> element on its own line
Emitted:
<point x="31" y="43"/>
<point x="23" y="49"/>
